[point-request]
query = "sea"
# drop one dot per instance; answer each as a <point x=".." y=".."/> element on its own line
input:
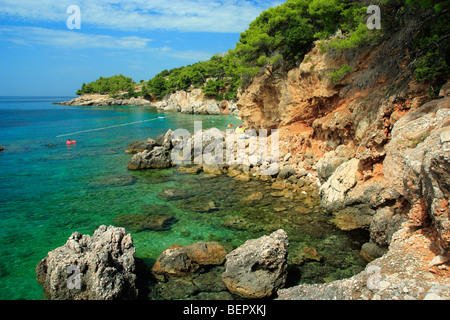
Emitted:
<point x="48" y="190"/>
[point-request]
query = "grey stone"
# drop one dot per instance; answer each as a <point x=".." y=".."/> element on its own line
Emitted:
<point x="259" y="267"/>
<point x="328" y="164"/>
<point x="158" y="158"/>
<point x="139" y="146"/>
<point x="212" y="108"/>
<point x="101" y="267"/>
<point x="333" y="191"/>
<point x="286" y="172"/>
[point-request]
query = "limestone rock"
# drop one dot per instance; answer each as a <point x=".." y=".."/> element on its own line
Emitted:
<point x="206" y="253"/>
<point x="334" y="190"/>
<point x="214" y="169"/>
<point x="401" y="273"/>
<point x="105" y="100"/>
<point x="101" y="267"/>
<point x="310" y="254"/>
<point x="181" y="261"/>
<point x="370" y="251"/>
<point x="351" y="218"/>
<point x="194" y="169"/>
<point x="417" y="165"/>
<point x="139" y="146"/>
<point x="165" y="139"/>
<point x="383" y="225"/>
<point x="286" y="172"/>
<point x="328" y="164"/>
<point x="173" y="262"/>
<point x="212" y="108"/>
<point x="194" y="102"/>
<point x="259" y="267"/>
<point x="158" y="158"/>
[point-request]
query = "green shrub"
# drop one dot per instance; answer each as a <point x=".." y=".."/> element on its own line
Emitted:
<point x="433" y="47"/>
<point x="340" y="74"/>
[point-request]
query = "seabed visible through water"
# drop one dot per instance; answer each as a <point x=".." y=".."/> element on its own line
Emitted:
<point x="49" y="192"/>
<point x="219" y="208"/>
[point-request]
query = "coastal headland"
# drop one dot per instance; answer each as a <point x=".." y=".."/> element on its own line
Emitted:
<point x="363" y="127"/>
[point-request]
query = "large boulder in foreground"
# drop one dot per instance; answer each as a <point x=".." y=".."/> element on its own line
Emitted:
<point x="101" y="267"/>
<point x="258" y="268"/>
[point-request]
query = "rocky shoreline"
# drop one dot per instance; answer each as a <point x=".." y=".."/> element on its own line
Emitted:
<point x="407" y="253"/>
<point x="103" y="267"/>
<point x="375" y="147"/>
<point x="191" y="102"/>
<point x="96" y="100"/>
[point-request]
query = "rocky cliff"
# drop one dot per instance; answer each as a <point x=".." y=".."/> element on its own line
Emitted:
<point x="195" y="102"/>
<point x="376" y="142"/>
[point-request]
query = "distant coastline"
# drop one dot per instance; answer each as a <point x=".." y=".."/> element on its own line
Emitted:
<point x="191" y="102"/>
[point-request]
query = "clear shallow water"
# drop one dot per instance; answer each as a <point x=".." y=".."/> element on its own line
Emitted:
<point x="49" y="192"/>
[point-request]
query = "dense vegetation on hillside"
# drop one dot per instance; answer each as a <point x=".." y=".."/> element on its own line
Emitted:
<point x="281" y="36"/>
<point x="103" y="85"/>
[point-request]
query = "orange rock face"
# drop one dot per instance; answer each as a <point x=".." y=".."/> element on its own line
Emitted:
<point x="382" y="117"/>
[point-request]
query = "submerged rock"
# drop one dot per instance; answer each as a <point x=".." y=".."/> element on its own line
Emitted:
<point x="114" y="181"/>
<point x="197" y="204"/>
<point x="101" y="267"/>
<point x="370" y="251"/>
<point x="142" y="222"/>
<point x="170" y="194"/>
<point x="253" y="198"/>
<point x="181" y="261"/>
<point x="191" y="272"/>
<point x="351" y="219"/>
<point x="195" y="169"/>
<point x="259" y="267"/>
<point x="206" y="253"/>
<point x="156" y="209"/>
<point x="241" y="224"/>
<point x="211" y="281"/>
<point x="173" y="262"/>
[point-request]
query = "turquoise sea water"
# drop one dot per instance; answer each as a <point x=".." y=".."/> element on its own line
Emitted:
<point x="49" y="192"/>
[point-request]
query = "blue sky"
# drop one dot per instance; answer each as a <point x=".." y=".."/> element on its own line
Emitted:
<point x="40" y="55"/>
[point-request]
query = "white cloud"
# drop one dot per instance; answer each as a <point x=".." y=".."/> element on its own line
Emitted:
<point x="75" y="41"/>
<point x="183" y="15"/>
<point x="65" y="39"/>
